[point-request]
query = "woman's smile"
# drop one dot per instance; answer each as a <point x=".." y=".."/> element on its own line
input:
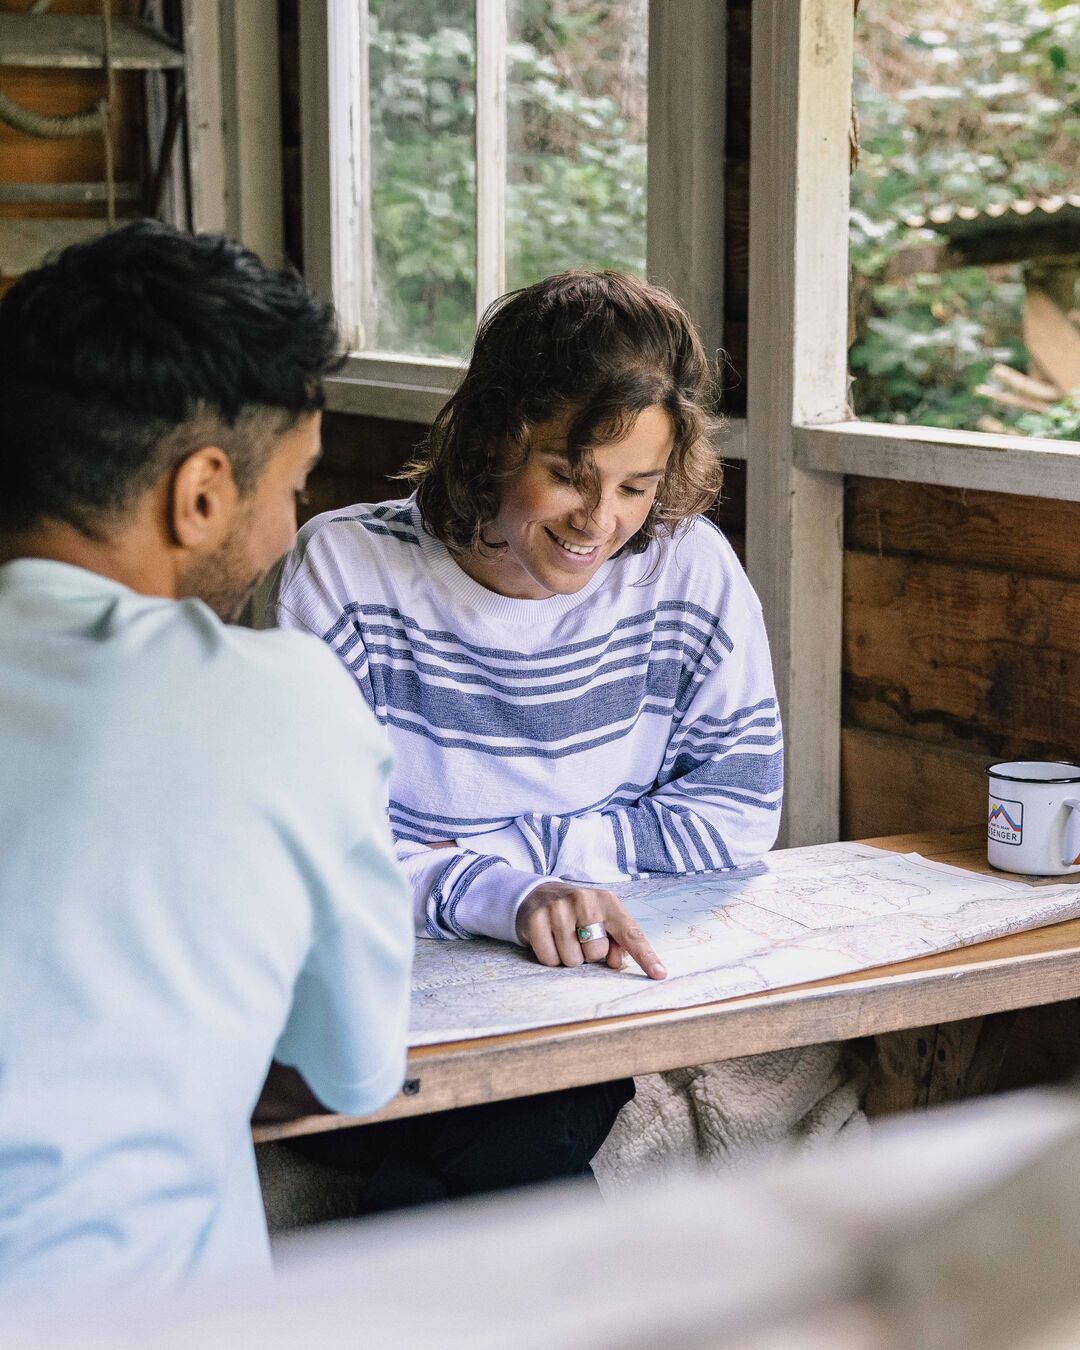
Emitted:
<point x="579" y="554"/>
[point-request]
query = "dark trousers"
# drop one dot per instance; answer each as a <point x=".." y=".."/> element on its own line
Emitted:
<point x="472" y="1150"/>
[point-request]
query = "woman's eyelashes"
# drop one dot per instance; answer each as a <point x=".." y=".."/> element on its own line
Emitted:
<point x="566" y="481"/>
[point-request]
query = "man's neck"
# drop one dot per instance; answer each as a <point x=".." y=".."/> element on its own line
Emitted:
<point x="120" y="556"/>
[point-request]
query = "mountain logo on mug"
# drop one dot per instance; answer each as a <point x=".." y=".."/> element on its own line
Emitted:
<point x="1006" y="821"/>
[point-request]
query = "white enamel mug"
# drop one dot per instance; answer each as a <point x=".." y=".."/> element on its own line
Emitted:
<point x="1033" y="820"/>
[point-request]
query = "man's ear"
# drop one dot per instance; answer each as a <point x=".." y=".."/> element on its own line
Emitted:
<point x="202" y="499"/>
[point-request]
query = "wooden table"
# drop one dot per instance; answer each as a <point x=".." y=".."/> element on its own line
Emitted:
<point x="1033" y="968"/>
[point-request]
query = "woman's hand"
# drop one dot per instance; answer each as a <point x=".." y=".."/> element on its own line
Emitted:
<point x="550" y="916"/>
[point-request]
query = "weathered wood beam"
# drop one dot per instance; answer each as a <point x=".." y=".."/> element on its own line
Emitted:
<point x="797" y="373"/>
<point x="685" y="245"/>
<point x="951" y="525"/>
<point x="1027" y="465"/>
<point x="1054" y="239"/>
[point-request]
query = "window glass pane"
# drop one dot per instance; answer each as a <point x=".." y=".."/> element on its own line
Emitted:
<point x="422" y="63"/>
<point x="576" y="136"/>
<point x="965" y="215"/>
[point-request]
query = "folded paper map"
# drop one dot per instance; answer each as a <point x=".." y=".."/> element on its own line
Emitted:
<point x="807" y="914"/>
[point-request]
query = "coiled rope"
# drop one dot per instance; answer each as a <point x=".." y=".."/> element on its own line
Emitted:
<point x="98" y="118"/>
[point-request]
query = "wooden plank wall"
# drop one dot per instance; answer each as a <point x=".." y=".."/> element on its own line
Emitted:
<point x="961" y="646"/>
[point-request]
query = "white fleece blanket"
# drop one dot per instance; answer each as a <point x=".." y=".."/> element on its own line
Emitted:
<point x="722" y="1115"/>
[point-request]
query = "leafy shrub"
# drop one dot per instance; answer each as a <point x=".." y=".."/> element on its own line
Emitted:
<point x="576" y="191"/>
<point x="969" y="104"/>
<point x="1060" y="422"/>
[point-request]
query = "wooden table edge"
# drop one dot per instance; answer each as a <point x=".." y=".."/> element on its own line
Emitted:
<point x="942" y="987"/>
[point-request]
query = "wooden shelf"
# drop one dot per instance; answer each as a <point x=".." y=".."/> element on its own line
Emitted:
<point x="55" y="193"/>
<point x="59" y="42"/>
<point x="26" y="243"/>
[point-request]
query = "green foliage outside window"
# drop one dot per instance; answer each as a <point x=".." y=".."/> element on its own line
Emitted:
<point x="576" y="185"/>
<point x="969" y="103"/>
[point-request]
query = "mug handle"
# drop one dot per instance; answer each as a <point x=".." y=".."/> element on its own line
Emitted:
<point x="1070" y="845"/>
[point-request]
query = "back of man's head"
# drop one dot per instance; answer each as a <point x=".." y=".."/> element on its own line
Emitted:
<point x="122" y="355"/>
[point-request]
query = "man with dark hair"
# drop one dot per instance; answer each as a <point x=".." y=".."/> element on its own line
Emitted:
<point x="196" y="873"/>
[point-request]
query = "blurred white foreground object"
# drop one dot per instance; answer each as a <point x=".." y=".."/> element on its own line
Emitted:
<point x="959" y="1228"/>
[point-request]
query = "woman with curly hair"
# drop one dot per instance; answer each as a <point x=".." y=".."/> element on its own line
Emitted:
<point x="567" y="656"/>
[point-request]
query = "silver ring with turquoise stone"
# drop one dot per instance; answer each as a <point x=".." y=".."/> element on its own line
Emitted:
<point x="591" y="932"/>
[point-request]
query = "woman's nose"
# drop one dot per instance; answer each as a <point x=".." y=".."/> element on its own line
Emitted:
<point x="595" y="518"/>
<point x="603" y="516"/>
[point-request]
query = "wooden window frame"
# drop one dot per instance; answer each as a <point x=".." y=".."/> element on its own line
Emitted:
<point x="687" y="49"/>
<point x="801" y="439"/>
<point x="233" y="114"/>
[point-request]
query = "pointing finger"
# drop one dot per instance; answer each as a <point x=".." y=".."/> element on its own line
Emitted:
<point x="628" y="935"/>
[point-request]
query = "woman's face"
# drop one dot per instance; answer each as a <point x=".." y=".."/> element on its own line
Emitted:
<point x="555" y="536"/>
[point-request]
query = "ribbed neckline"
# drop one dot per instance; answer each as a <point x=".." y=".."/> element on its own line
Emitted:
<point x="507" y="609"/>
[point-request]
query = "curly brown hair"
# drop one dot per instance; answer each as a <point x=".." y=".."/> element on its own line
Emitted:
<point x="599" y="346"/>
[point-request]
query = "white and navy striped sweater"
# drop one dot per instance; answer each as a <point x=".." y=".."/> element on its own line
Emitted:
<point x="630" y="728"/>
